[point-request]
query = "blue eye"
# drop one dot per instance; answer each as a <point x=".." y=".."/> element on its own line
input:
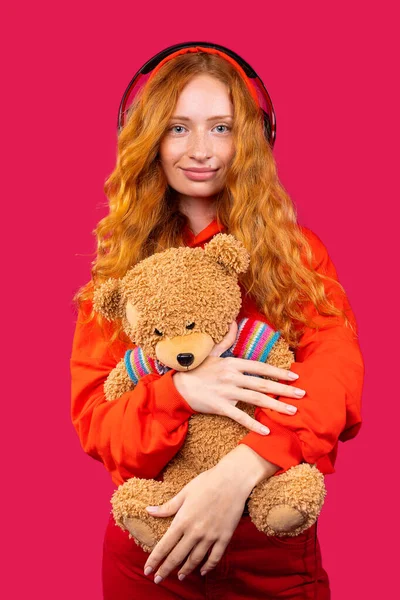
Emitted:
<point x="227" y="128"/>
<point x="173" y="127"/>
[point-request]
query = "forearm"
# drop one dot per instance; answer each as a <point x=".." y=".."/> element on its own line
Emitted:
<point x="330" y="366"/>
<point x="243" y="465"/>
<point x="136" y="435"/>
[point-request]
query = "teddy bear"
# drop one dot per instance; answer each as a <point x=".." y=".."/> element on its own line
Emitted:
<point x="175" y="306"/>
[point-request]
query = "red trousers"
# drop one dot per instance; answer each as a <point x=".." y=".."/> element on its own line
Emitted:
<point x="253" y="566"/>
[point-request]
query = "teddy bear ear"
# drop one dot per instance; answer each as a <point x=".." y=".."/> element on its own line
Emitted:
<point x="107" y="299"/>
<point x="226" y="250"/>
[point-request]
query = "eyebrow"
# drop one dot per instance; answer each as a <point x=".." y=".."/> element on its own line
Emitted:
<point x="181" y="118"/>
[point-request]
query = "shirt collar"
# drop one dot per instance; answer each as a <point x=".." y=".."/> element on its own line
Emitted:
<point x="203" y="236"/>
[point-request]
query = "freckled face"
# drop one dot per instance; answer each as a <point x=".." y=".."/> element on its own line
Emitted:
<point x="199" y="136"/>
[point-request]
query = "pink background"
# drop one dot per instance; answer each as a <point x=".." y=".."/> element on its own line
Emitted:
<point x="329" y="69"/>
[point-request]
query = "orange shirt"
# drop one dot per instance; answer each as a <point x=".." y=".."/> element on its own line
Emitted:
<point x="138" y="434"/>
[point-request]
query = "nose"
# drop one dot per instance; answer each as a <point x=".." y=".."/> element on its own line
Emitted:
<point x="185" y="359"/>
<point x="200" y="146"/>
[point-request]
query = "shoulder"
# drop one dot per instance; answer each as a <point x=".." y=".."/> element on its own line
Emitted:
<point x="318" y="248"/>
<point x="312" y="237"/>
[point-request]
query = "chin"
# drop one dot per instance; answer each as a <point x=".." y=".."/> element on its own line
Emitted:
<point x="198" y="192"/>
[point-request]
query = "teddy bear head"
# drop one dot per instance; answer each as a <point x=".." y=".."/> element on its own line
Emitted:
<point x="176" y="304"/>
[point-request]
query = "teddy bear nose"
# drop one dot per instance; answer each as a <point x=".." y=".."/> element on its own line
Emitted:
<point x="185" y="359"/>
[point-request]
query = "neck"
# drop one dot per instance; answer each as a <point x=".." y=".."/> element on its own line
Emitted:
<point x="199" y="211"/>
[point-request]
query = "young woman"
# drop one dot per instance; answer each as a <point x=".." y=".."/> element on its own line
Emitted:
<point x="192" y="161"/>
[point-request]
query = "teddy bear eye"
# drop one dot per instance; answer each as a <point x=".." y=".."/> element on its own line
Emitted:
<point x="190" y="326"/>
<point x="157" y="332"/>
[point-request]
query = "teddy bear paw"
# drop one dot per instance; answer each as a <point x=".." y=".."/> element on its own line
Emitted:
<point x="141" y="531"/>
<point x="284" y="519"/>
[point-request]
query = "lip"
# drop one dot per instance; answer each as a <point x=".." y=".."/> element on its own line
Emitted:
<point x="199" y="169"/>
<point x="199" y="174"/>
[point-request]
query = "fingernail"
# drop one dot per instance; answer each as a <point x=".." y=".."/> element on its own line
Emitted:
<point x="181" y="576"/>
<point x="300" y="392"/>
<point x="292" y="375"/>
<point x="291" y="409"/>
<point x="264" y="430"/>
<point x="203" y="573"/>
<point x="148" y="570"/>
<point x="152" y="508"/>
<point x="157" y="579"/>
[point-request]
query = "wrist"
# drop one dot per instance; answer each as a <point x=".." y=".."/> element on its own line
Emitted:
<point x="179" y="383"/>
<point x="244" y="466"/>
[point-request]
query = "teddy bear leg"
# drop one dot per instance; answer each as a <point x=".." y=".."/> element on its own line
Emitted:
<point x="129" y="503"/>
<point x="288" y="504"/>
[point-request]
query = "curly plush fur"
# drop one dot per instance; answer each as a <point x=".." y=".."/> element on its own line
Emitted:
<point x="190" y="296"/>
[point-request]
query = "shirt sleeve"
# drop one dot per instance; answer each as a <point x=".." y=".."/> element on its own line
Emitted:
<point x="331" y="370"/>
<point x="135" y="435"/>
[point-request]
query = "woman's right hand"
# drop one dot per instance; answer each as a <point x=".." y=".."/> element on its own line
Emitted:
<point x="218" y="384"/>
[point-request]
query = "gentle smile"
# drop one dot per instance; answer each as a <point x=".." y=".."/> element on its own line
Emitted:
<point x="199" y="174"/>
<point x="199" y="169"/>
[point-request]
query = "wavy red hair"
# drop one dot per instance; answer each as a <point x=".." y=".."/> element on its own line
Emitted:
<point x="253" y="206"/>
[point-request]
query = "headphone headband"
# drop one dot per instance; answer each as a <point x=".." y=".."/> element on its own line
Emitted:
<point x="231" y="60"/>
<point x="250" y="77"/>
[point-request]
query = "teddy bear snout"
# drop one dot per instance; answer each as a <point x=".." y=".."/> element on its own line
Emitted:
<point x="185" y="359"/>
<point x="183" y="352"/>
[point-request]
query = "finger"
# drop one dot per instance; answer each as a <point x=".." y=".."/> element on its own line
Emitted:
<point x="244" y="419"/>
<point x="195" y="557"/>
<point x="260" y="368"/>
<point x="215" y="556"/>
<point x="163" y="548"/>
<point x="181" y="551"/>
<point x="264" y="401"/>
<point x="226" y="342"/>
<point x="267" y="386"/>
<point x="168" y="508"/>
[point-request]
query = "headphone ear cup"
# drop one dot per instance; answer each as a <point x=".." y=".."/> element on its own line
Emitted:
<point x="267" y="126"/>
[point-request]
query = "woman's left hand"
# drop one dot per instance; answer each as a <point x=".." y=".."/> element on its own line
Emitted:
<point x="208" y="511"/>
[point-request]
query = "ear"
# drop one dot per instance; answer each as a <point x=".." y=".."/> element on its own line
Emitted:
<point x="132" y="314"/>
<point x="107" y="299"/>
<point x="229" y="252"/>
